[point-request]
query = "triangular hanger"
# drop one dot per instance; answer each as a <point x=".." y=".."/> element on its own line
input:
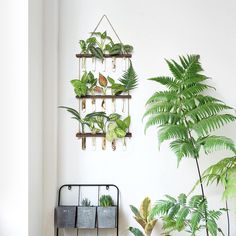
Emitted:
<point x="105" y="17"/>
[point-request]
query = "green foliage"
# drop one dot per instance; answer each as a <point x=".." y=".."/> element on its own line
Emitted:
<point x="136" y="231"/>
<point x="180" y="214"/>
<point x="86" y="202"/>
<point x="143" y="217"/>
<point x="128" y="81"/>
<point x="118" y="128"/>
<point x="183" y="115"/>
<point x="100" y="43"/>
<point x="223" y="172"/>
<point x="106" y="201"/>
<point x="88" y="83"/>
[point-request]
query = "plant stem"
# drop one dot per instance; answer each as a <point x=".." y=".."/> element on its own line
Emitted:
<point x="228" y="218"/>
<point x="199" y="174"/>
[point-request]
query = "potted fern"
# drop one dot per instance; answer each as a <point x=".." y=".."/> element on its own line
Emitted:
<point x="107" y="212"/>
<point x="187" y="118"/>
<point x="86" y="215"/>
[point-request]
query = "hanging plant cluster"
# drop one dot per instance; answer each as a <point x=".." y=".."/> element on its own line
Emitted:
<point x="101" y="121"/>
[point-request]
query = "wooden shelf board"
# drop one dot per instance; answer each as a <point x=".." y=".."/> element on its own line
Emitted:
<point x="89" y="135"/>
<point x="104" y="96"/>
<point x="83" y="55"/>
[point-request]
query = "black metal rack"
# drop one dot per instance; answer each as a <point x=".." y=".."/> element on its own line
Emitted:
<point x="79" y="186"/>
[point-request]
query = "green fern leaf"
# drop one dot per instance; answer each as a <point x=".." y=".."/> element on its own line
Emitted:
<point x="206" y="126"/>
<point x="206" y="110"/>
<point x="212" y="227"/>
<point x="182" y="148"/>
<point x="167" y="81"/>
<point x="216" y="143"/>
<point x="195" y="220"/>
<point x="195" y="201"/>
<point x="129" y="79"/>
<point x="159" y="107"/>
<point x="162" y="96"/>
<point x="168" y="132"/>
<point x="180" y="218"/>
<point x="194" y="90"/>
<point x="175" y="70"/>
<point x="162" y="118"/>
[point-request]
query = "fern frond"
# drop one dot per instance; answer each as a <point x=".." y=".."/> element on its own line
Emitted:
<point x="192" y="66"/>
<point x="172" y="132"/>
<point x="162" y="118"/>
<point x="230" y="187"/>
<point x="216" y="143"/>
<point x="129" y="79"/>
<point x="206" y="126"/>
<point x="181" y="217"/>
<point x="159" y="107"/>
<point x="206" y="110"/>
<point x="194" y="90"/>
<point x="167" y="81"/>
<point x="195" y="220"/>
<point x="182" y="148"/>
<point x="175" y="70"/>
<point x="162" y="96"/>
<point x="162" y="207"/>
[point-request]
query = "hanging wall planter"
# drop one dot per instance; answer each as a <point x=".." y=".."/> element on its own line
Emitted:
<point x="107" y="217"/>
<point x="86" y="217"/>
<point x="107" y="212"/>
<point x="65" y="216"/>
<point x="93" y="88"/>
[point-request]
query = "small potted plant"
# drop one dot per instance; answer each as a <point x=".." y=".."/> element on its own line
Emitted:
<point x="107" y="212"/>
<point x="86" y="215"/>
<point x="65" y="216"/>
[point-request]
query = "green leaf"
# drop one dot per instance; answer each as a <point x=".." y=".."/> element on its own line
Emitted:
<point x="182" y="198"/>
<point x="169" y="132"/>
<point x="212" y="227"/>
<point x="216" y="143"/>
<point x="135" y="211"/>
<point x="181" y="216"/>
<point x="162" y="96"/>
<point x="111" y="81"/>
<point x="182" y="148"/>
<point x="96" y="51"/>
<point x="127" y="121"/>
<point x="205" y="126"/>
<point x="136" y="231"/>
<point x="120" y="133"/>
<point x="80" y="87"/>
<point x="195" y="220"/>
<point x="169" y="82"/>
<point x="129" y="79"/>
<point x="121" y="124"/>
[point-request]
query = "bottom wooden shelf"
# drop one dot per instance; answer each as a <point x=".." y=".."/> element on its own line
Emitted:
<point x="88" y="135"/>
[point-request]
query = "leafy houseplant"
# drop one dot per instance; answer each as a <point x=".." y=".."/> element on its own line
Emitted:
<point x="86" y="215"/>
<point x="98" y="44"/>
<point x="178" y="214"/>
<point x="106" y="211"/>
<point x="144" y="218"/>
<point x="89" y="84"/>
<point x="186" y="117"/>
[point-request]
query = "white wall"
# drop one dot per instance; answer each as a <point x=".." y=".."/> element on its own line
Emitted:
<point x="157" y="30"/>
<point x="14" y="118"/>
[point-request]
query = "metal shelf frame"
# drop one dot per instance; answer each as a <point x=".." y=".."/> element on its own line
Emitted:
<point x="98" y="186"/>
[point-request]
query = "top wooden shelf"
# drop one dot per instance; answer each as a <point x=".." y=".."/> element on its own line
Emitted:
<point x="83" y="55"/>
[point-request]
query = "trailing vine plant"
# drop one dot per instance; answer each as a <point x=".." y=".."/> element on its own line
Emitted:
<point x="187" y="117"/>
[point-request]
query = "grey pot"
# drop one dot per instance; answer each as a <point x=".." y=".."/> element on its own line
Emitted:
<point x="65" y="216"/>
<point x="107" y="217"/>
<point x="86" y="217"/>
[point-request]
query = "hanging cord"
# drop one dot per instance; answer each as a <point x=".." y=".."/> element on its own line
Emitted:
<point x="105" y="16"/>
